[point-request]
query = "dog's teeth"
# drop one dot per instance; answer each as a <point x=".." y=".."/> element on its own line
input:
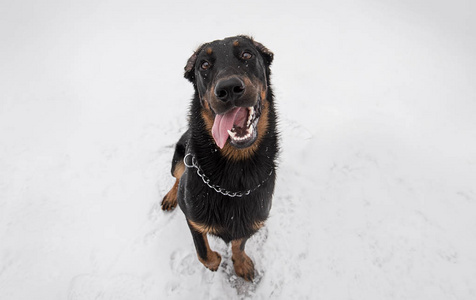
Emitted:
<point x="247" y="134"/>
<point x="232" y="134"/>
<point x="250" y="116"/>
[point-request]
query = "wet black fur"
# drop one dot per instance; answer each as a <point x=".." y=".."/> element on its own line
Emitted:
<point x="233" y="218"/>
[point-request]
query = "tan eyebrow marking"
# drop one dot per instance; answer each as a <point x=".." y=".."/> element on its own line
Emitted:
<point x="209" y="50"/>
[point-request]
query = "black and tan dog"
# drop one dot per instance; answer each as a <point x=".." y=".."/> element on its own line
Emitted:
<point x="224" y="164"/>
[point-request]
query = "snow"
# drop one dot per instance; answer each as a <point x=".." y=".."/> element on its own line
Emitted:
<point x="375" y="195"/>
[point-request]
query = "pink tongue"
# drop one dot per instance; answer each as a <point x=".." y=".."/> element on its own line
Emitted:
<point x="222" y="124"/>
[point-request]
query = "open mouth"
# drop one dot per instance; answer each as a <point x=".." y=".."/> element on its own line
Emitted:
<point x="238" y="125"/>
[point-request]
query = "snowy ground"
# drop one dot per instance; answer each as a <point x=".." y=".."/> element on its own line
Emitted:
<point x="376" y="195"/>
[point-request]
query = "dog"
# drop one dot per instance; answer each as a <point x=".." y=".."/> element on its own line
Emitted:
<point x="225" y="163"/>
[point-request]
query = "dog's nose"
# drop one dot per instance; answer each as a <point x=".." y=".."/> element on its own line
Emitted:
<point x="229" y="89"/>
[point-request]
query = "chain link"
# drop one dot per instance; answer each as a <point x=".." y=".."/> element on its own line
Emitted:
<point x="193" y="164"/>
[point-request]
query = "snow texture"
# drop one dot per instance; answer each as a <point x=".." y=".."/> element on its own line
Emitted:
<point x="376" y="190"/>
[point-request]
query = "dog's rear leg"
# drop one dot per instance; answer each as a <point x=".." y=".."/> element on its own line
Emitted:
<point x="244" y="266"/>
<point x="178" y="168"/>
<point x="206" y="256"/>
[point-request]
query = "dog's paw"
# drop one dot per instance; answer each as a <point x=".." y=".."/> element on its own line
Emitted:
<point x="213" y="261"/>
<point x="244" y="267"/>
<point x="170" y="201"/>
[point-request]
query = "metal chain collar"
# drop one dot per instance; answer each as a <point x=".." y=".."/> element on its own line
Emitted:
<point x="193" y="164"/>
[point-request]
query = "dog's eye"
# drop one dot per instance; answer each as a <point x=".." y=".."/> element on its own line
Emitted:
<point x="246" y="55"/>
<point x="205" y="65"/>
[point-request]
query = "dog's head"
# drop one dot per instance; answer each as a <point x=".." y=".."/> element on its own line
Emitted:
<point x="231" y="77"/>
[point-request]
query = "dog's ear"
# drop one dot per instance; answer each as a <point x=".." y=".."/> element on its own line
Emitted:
<point x="190" y="67"/>
<point x="267" y="55"/>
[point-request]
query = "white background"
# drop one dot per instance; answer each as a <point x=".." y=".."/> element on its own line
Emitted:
<point x="376" y="190"/>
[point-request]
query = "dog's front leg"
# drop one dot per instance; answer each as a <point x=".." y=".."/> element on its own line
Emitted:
<point x="206" y="256"/>
<point x="244" y="266"/>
